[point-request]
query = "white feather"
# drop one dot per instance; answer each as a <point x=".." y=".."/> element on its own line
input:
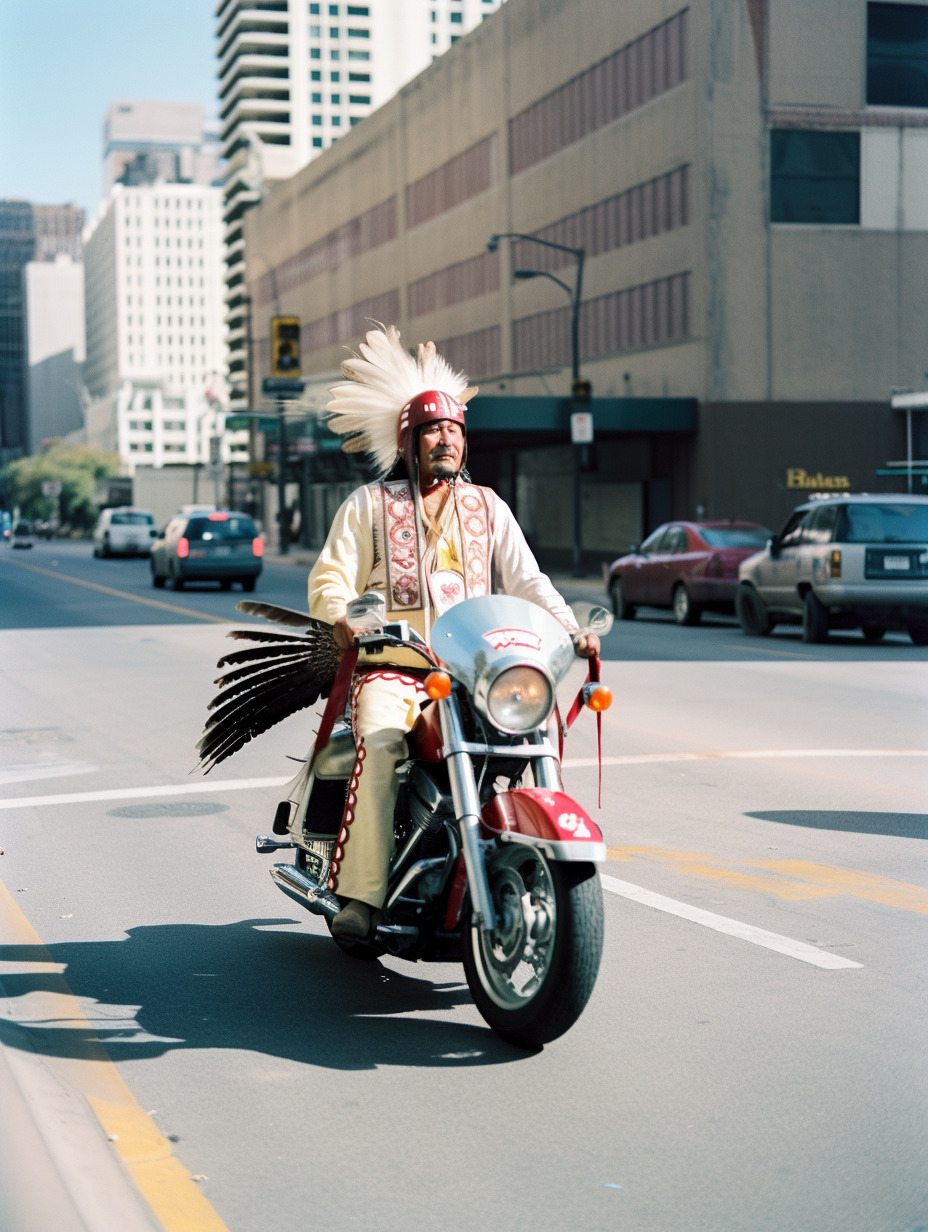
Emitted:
<point x="380" y="381"/>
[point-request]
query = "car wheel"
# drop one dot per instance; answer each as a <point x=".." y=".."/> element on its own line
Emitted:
<point x="685" y="611"/>
<point x="621" y="609"/>
<point x="105" y="551"/>
<point x="752" y="612"/>
<point x="156" y="579"/>
<point x="872" y="633"/>
<point x="177" y="582"/>
<point x="814" y="619"/>
<point x="249" y="583"/>
<point x="225" y="584"/>
<point x="918" y="632"/>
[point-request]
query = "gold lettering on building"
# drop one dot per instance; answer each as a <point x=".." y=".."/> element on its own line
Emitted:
<point x="798" y="477"/>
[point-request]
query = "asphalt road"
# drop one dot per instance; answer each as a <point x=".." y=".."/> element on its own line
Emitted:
<point x="754" y="1054"/>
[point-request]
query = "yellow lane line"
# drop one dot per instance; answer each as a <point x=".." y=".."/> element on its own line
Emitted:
<point x="164" y="1183"/>
<point x="791" y="879"/>
<point x="124" y="594"/>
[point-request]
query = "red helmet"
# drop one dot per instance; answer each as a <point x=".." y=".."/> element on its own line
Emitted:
<point x="428" y="407"/>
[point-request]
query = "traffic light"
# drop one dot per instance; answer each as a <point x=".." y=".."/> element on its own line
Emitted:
<point x="285" y="346"/>
<point x="582" y="390"/>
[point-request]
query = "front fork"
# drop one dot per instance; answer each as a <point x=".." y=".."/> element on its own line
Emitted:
<point x="466" y="810"/>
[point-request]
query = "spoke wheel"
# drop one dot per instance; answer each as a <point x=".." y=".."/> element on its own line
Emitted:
<point x="685" y="611"/>
<point x="532" y="976"/>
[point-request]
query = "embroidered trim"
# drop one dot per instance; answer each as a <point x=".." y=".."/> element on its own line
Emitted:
<point x="402" y="546"/>
<point x="475" y="532"/>
<point x="351" y="798"/>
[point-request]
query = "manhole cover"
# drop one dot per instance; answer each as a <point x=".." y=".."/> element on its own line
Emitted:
<point x="179" y="808"/>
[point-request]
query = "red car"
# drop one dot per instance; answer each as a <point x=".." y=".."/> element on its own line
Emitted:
<point x="686" y="566"/>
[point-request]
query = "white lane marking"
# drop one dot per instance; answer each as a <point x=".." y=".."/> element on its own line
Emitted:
<point x="56" y="770"/>
<point x="733" y="928"/>
<point x="641" y="759"/>
<point x="138" y="793"/>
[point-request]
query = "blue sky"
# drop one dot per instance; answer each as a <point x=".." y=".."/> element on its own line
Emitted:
<point x="62" y="62"/>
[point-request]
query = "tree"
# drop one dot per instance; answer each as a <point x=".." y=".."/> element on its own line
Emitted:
<point x="75" y="466"/>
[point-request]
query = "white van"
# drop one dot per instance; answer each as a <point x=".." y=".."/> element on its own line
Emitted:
<point x="124" y="531"/>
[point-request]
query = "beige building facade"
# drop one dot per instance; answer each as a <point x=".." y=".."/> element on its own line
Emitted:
<point x="748" y="181"/>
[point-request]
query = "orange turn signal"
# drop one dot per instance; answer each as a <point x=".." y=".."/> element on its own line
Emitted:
<point x="597" y="696"/>
<point x="437" y="685"/>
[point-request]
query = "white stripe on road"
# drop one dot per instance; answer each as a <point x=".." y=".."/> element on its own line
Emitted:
<point x="139" y="793"/>
<point x="722" y="924"/>
<point x="32" y="770"/>
<point x="643" y="759"/>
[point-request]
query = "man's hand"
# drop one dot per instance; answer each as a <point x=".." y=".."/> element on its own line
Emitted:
<point x="345" y="635"/>
<point x="586" y="645"/>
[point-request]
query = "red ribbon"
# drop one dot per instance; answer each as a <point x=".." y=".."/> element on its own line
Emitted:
<point x="576" y="707"/>
<point x="335" y="704"/>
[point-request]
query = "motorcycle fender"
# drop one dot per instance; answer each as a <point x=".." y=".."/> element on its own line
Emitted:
<point x="547" y="819"/>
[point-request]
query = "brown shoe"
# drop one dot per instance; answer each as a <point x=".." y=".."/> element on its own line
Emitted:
<point x="353" y="920"/>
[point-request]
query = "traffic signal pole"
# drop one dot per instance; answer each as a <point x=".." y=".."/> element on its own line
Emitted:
<point x="283" y="521"/>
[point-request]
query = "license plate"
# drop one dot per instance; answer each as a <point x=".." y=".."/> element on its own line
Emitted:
<point x="896" y="562"/>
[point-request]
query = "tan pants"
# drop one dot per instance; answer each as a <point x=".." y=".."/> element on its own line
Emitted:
<point x="384" y="706"/>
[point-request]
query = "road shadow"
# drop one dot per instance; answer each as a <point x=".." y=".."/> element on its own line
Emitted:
<point x="246" y="987"/>
<point x="897" y="825"/>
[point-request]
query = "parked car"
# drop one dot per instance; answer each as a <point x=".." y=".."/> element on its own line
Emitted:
<point x="219" y="546"/>
<point x="23" y="535"/>
<point x="6" y="527"/>
<point x="689" y="567"/>
<point x="842" y="562"/>
<point x="124" y="531"/>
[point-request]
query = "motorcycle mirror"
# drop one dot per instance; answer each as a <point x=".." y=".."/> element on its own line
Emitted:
<point x="368" y="611"/>
<point x="592" y="618"/>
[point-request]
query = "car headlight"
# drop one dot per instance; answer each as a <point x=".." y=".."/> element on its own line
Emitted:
<point x="519" y="699"/>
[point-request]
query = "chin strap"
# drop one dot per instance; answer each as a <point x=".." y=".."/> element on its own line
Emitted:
<point x="577" y="705"/>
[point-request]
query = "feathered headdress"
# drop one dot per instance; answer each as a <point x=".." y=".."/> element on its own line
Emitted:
<point x="388" y="393"/>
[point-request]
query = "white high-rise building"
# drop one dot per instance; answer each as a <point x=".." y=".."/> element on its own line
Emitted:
<point x="296" y="74"/>
<point x="154" y="322"/>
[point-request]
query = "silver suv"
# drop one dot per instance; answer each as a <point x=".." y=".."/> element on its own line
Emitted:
<point x="842" y="562"/>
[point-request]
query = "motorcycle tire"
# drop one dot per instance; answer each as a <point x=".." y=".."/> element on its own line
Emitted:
<point x="531" y="989"/>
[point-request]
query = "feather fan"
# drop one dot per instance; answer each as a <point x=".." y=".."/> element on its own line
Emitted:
<point x="281" y="674"/>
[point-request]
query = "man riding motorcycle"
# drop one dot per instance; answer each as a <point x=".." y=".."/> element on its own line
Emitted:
<point x="424" y="537"/>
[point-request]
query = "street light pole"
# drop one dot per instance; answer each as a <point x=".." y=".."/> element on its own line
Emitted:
<point x="580" y="389"/>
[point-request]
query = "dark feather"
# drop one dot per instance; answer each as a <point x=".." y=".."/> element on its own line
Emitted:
<point x="277" y="615"/>
<point x="269" y="681"/>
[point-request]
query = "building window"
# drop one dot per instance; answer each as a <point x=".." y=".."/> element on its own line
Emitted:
<point x="315" y="53"/>
<point x="336" y="121"/>
<point x="457" y="18"/>
<point x="897" y="55"/>
<point x="333" y="10"/>
<point x="315" y="75"/>
<point x="335" y="77"/>
<point x="317" y="121"/>
<point x="434" y="16"/>
<point x="316" y="97"/>
<point x="359" y="55"/>
<point x="359" y="76"/>
<point x="358" y="10"/>
<point x="314" y="10"/>
<point x="334" y="55"/>
<point x="333" y="32"/>
<point x="814" y="177"/>
<point x="360" y="100"/>
<point x="359" y="34"/>
<point x="315" y="31"/>
<point x="336" y="100"/>
<point x="317" y="143"/>
<point x="353" y="120"/>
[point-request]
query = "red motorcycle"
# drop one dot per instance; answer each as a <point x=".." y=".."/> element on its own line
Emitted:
<point x="494" y="864"/>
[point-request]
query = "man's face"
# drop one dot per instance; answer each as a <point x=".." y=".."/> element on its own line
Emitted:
<point x="441" y="449"/>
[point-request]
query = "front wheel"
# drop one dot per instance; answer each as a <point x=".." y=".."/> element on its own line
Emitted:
<point x="621" y="608"/>
<point x="752" y="612"/>
<point x="918" y="632"/>
<point x="533" y="975"/>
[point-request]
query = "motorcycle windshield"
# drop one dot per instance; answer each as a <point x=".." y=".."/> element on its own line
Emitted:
<point x="477" y="635"/>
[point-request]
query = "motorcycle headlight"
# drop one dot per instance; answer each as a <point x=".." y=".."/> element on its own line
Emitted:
<point x="519" y="699"/>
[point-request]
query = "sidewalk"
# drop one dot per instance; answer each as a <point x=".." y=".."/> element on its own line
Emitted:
<point x="589" y="588"/>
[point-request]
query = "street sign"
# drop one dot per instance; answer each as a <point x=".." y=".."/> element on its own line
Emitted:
<point x="281" y="387"/>
<point x="581" y="427"/>
<point x="237" y="423"/>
